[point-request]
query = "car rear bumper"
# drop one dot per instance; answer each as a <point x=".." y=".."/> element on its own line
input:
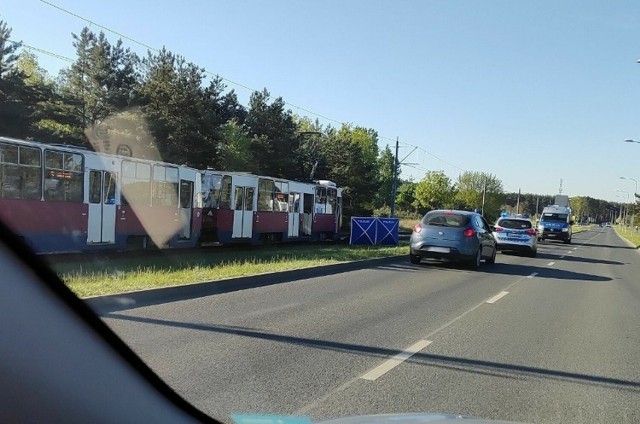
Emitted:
<point x="453" y="253"/>
<point x="516" y="247"/>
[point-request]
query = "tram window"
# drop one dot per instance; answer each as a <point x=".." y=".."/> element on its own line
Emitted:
<point x="211" y="190"/>
<point x="8" y="153"/>
<point x="165" y="186"/>
<point x="186" y="188"/>
<point x="29" y="156"/>
<point x="143" y="171"/>
<point x="23" y="181"/>
<point x="63" y="177"/>
<point x="281" y="197"/>
<point x="225" y="195"/>
<point x="72" y="162"/>
<point x="248" y="199"/>
<point x="165" y="194"/>
<point x="135" y="183"/>
<point x="171" y="175"/>
<point x="332" y="196"/>
<point x="109" y="188"/>
<point x="32" y="180"/>
<point x="54" y="160"/>
<point x="321" y="200"/>
<point x="265" y="195"/>
<point x="94" y="186"/>
<point x="239" y="198"/>
<point x="128" y="169"/>
<point x="159" y="173"/>
<point x="296" y="202"/>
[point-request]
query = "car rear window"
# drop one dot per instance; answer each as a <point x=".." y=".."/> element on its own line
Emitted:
<point x="514" y="223"/>
<point x="446" y="219"/>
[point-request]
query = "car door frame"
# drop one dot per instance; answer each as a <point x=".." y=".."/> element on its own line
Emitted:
<point x="486" y="238"/>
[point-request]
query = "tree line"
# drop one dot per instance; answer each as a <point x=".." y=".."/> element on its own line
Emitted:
<point x="436" y="190"/>
<point x="160" y="106"/>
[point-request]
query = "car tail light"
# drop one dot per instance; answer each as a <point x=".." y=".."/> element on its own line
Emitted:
<point x="469" y="232"/>
<point x="531" y="232"/>
<point x="498" y="229"/>
<point x="417" y="228"/>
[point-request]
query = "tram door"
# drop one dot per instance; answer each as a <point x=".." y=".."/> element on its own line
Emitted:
<point x="294" y="214"/>
<point x="101" y="227"/>
<point x="186" y="204"/>
<point x="243" y="203"/>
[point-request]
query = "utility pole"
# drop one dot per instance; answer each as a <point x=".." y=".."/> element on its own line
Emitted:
<point x="484" y="195"/>
<point x="620" y="216"/>
<point x="626" y="214"/>
<point x="518" y="203"/>
<point x="395" y="181"/>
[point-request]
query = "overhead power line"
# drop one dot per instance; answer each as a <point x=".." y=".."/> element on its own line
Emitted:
<point x="97" y="24"/>
<point x="238" y="84"/>
<point x="430" y="154"/>
<point x="43" y="51"/>
<point x="153" y="49"/>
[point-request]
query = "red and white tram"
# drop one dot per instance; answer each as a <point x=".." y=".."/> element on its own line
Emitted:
<point x="241" y="207"/>
<point x="67" y="199"/>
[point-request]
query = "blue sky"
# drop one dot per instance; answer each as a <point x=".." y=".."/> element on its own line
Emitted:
<point x="533" y="92"/>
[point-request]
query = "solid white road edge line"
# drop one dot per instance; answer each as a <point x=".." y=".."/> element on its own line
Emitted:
<point x="390" y="364"/>
<point x="497" y="297"/>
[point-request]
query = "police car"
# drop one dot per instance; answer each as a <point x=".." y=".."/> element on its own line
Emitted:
<point x="555" y="223"/>
<point x="516" y="233"/>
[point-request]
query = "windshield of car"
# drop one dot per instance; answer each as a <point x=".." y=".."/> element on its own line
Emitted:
<point x="514" y="223"/>
<point x="559" y="217"/>
<point x="446" y="219"/>
<point x="282" y="206"/>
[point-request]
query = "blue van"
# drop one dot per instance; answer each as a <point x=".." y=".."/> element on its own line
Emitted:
<point x="555" y="224"/>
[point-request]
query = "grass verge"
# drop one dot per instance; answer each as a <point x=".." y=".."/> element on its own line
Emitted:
<point x="107" y="276"/>
<point x="407" y="224"/>
<point x="630" y="235"/>
<point x="580" y="228"/>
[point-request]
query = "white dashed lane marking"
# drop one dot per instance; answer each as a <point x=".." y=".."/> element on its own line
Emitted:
<point x="390" y="364"/>
<point x="497" y="297"/>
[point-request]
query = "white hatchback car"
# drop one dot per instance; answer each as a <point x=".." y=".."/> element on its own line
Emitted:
<point x="516" y="234"/>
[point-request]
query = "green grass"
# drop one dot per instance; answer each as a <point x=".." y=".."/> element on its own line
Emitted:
<point x="122" y="274"/>
<point x="407" y="224"/>
<point x="631" y="235"/>
<point x="580" y="228"/>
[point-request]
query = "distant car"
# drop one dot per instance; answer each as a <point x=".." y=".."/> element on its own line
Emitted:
<point x="452" y="234"/>
<point x="516" y="234"/>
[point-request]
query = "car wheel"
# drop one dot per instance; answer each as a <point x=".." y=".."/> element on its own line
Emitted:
<point x="539" y="238"/>
<point x="414" y="259"/>
<point x="475" y="262"/>
<point x="568" y="241"/>
<point x="533" y="253"/>
<point x="492" y="259"/>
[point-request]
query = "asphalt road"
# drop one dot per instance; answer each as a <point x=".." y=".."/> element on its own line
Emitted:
<point x="559" y="342"/>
